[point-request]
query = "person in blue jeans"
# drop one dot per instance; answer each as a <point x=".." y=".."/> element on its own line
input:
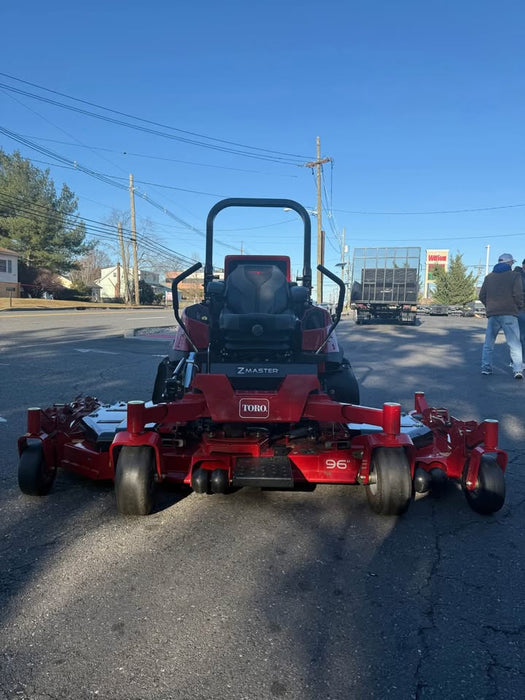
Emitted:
<point x="520" y="270"/>
<point x="502" y="295"/>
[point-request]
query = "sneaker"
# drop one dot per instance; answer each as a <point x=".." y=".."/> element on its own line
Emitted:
<point x="486" y="371"/>
<point x="518" y="375"/>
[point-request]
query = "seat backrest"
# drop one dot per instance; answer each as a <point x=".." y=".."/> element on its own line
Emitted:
<point x="261" y="289"/>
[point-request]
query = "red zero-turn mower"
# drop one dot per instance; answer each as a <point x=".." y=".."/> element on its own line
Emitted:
<point x="255" y="391"/>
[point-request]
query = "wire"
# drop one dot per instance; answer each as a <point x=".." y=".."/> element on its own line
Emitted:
<point x="327" y="208"/>
<point x="263" y="153"/>
<point x="432" y="236"/>
<point x="92" y="227"/>
<point x="78" y="143"/>
<point x="218" y="140"/>
<point x="423" y="213"/>
<point x="107" y="180"/>
<point x="146" y="121"/>
<point x="162" y="158"/>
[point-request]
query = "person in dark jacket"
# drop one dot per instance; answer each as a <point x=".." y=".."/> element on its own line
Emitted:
<point x="520" y="269"/>
<point x="502" y="295"/>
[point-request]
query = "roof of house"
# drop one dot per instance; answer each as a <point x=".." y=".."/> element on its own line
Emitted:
<point x="5" y="251"/>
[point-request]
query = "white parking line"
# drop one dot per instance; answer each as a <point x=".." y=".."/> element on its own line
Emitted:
<point x="100" y="352"/>
<point x="141" y="318"/>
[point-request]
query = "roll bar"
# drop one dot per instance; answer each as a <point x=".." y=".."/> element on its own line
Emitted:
<point x="258" y="202"/>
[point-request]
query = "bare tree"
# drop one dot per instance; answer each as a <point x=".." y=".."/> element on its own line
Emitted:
<point x="113" y="244"/>
<point x="89" y="266"/>
<point x="153" y="254"/>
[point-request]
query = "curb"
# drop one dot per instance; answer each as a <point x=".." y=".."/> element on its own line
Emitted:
<point x="159" y="334"/>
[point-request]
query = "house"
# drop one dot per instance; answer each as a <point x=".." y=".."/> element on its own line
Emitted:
<point x="191" y="290"/>
<point x="64" y="281"/>
<point x="9" y="284"/>
<point x="112" y="282"/>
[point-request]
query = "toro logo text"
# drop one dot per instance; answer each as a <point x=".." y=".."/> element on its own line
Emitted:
<point x="254" y="408"/>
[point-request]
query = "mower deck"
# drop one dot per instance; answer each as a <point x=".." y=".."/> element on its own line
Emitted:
<point x="87" y="437"/>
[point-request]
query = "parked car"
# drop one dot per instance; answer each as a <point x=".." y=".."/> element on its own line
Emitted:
<point x="456" y="311"/>
<point x="438" y="310"/>
<point x="474" y="308"/>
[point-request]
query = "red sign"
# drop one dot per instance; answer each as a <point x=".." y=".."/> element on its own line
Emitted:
<point x="254" y="408"/>
<point x="435" y="258"/>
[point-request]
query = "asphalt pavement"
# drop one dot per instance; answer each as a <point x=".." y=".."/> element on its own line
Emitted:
<point x="258" y="595"/>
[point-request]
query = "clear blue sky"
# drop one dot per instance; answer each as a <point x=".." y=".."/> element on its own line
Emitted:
<point x="421" y="106"/>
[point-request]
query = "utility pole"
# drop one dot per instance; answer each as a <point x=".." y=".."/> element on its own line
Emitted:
<point x="320" y="234"/>
<point x="348" y="292"/>
<point x="117" y="286"/>
<point x="487" y="260"/>
<point x="343" y="264"/>
<point x="125" y="263"/>
<point x="320" y="261"/>
<point x="134" y="240"/>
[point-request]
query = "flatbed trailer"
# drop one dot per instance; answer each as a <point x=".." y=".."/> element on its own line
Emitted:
<point x="385" y="284"/>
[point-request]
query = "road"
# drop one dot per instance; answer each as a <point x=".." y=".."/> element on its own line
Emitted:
<point x="257" y="595"/>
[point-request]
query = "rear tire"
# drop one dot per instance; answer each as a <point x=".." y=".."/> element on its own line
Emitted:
<point x="389" y="491"/>
<point x="135" y="480"/>
<point x="35" y="478"/>
<point x="488" y="495"/>
<point x="160" y="381"/>
<point x="341" y="384"/>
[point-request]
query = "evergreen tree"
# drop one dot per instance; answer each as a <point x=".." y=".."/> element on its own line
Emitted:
<point x="146" y="293"/>
<point x="35" y="222"/>
<point x="454" y="287"/>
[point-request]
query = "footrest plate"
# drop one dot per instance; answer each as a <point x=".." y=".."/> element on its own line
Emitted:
<point x="270" y="472"/>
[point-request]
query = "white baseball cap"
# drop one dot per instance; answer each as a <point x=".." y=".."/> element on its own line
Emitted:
<point x="506" y="258"/>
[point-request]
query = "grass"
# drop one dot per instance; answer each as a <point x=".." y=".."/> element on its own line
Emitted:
<point x="13" y="304"/>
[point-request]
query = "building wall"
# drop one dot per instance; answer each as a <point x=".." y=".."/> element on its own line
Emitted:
<point x="191" y="290"/>
<point x="9" y="285"/>
<point x="109" y="282"/>
<point x="112" y="281"/>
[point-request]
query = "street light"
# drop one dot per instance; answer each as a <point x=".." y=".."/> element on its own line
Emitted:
<point x="310" y="211"/>
<point x="342" y="265"/>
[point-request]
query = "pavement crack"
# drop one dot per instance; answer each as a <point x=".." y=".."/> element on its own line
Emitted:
<point x="514" y="632"/>
<point x="429" y="622"/>
<point x="494" y="663"/>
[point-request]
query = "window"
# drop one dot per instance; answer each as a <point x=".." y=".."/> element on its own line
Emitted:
<point x="6" y="265"/>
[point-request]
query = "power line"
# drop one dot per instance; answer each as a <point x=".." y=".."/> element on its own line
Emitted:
<point x="424" y="213"/>
<point x="158" y="223"/>
<point x="162" y="158"/>
<point x="107" y="180"/>
<point x="141" y="119"/>
<point x="92" y="227"/>
<point x="329" y="213"/>
<point x="433" y="237"/>
<point x="59" y="128"/>
<point x="219" y="145"/>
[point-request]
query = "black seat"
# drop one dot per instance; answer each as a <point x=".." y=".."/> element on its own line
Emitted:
<point x="257" y="311"/>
